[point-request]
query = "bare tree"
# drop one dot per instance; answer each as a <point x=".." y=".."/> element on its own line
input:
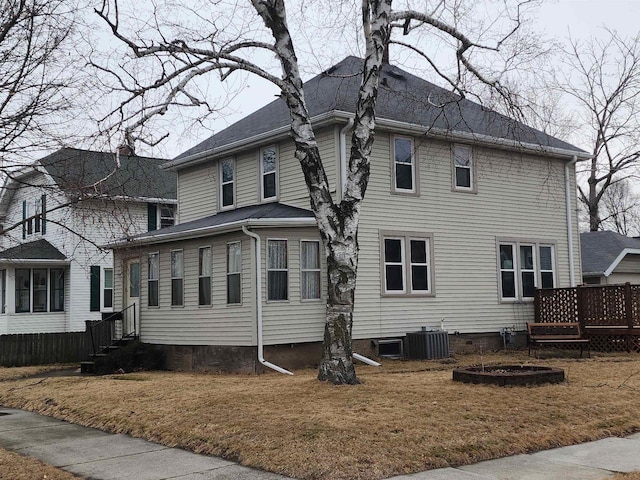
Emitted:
<point x="35" y="76"/>
<point x="603" y="79"/>
<point x="219" y="39"/>
<point x="620" y="209"/>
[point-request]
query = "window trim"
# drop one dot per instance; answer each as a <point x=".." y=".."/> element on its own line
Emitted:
<point x="516" y="243"/>
<point x="233" y="273"/>
<point x="210" y="276"/>
<point x="48" y="291"/>
<point x="181" y="277"/>
<point x="157" y="280"/>
<point x="261" y="175"/>
<point x="319" y="270"/>
<point x="287" y="270"/>
<point x="221" y="184"/>
<point x="472" y="167"/>
<point x="406" y="237"/>
<point x="415" y="191"/>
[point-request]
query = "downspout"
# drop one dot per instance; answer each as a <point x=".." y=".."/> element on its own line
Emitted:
<point x="567" y="191"/>
<point x="343" y="155"/>
<point x="259" y="305"/>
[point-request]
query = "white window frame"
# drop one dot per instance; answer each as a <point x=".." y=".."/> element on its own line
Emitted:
<point x="414" y="168"/>
<point x="156" y="280"/>
<point x="210" y="276"/>
<point x="179" y="277"/>
<point x="286" y="270"/>
<point x="454" y="168"/>
<point x="523" y="270"/>
<point x="317" y="271"/>
<point x="263" y="174"/>
<point x="405" y="239"/>
<point x="518" y="270"/>
<point x="103" y="289"/>
<point x="229" y="273"/>
<point x="222" y="183"/>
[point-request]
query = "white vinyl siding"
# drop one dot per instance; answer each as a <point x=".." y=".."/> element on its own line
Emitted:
<point x="197" y="192"/>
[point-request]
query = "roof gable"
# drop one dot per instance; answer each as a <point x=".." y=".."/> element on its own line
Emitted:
<point x="401" y="97"/>
<point x="37" y="250"/>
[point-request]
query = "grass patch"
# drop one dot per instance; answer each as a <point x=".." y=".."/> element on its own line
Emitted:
<point x="405" y="417"/>
<point x="13" y="373"/>
<point x="18" y="467"/>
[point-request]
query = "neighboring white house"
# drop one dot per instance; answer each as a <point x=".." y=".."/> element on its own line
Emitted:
<point x="55" y="214"/>
<point x="466" y="213"/>
<point x="609" y="258"/>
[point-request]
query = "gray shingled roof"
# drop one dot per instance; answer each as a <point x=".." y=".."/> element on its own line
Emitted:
<point x="38" y="250"/>
<point x="600" y="249"/>
<point x="77" y="170"/>
<point x="253" y="212"/>
<point x="402" y="97"/>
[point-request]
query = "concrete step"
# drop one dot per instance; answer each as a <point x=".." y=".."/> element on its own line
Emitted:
<point x="88" y="367"/>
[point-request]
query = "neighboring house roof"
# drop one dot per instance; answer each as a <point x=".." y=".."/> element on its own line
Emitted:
<point x="87" y="171"/>
<point x="37" y="250"/>
<point x="268" y="214"/>
<point x="603" y="251"/>
<point x="402" y="97"/>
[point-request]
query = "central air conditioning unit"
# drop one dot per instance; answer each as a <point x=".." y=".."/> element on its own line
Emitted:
<point x="427" y="344"/>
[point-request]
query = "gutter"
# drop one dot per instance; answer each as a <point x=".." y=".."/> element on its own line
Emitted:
<point x="259" y="304"/>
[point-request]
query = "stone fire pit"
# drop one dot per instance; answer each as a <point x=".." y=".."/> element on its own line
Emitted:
<point x="509" y="375"/>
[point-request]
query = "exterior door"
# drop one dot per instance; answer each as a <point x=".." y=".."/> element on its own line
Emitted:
<point x="132" y="297"/>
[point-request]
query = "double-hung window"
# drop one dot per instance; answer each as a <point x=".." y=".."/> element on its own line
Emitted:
<point x="310" y="270"/>
<point x="56" y="292"/>
<point x="463" y="174"/>
<point x="204" y="276"/>
<point x="107" y="288"/>
<point x="404" y="166"/>
<point x="152" y="279"/>
<point x="177" y="277"/>
<point x="227" y="183"/>
<point x="277" y="270"/>
<point x="524" y="266"/>
<point x="407" y="264"/>
<point x="268" y="173"/>
<point x="40" y="289"/>
<point x="234" y="272"/>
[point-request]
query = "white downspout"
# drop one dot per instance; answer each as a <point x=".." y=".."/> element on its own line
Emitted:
<point x="567" y="191"/>
<point x="259" y="305"/>
<point x="343" y="155"/>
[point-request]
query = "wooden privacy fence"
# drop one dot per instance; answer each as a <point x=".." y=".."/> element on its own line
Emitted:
<point x="41" y="348"/>
<point x="608" y="314"/>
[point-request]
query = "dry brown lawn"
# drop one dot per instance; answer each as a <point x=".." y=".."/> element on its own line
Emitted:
<point x="405" y="417"/>
<point x="17" y="467"/>
<point x="626" y="476"/>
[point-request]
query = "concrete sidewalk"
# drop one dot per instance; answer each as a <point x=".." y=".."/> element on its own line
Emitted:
<point x="94" y="454"/>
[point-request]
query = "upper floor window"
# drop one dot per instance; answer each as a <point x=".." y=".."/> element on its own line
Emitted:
<point x="523" y="267"/>
<point x="404" y="166"/>
<point x="227" y="182"/>
<point x="34" y="216"/>
<point x="160" y="215"/>
<point x="277" y="270"/>
<point x="177" y="277"/>
<point x="268" y="173"/>
<point x="406" y="260"/>
<point x="463" y="168"/>
<point x="152" y="279"/>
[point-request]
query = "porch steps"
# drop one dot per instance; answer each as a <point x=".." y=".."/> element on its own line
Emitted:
<point x="89" y="366"/>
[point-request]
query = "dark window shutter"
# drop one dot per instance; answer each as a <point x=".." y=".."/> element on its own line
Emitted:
<point x="24" y="217"/>
<point x="152" y="215"/>
<point x="43" y="215"/>
<point x="94" y="297"/>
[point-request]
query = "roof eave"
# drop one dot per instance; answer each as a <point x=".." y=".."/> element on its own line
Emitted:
<point x="213" y="230"/>
<point x="32" y="261"/>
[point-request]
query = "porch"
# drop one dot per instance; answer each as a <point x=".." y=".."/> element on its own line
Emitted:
<point x="609" y="315"/>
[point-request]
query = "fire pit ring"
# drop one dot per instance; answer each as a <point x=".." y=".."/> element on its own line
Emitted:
<point x="508" y="375"/>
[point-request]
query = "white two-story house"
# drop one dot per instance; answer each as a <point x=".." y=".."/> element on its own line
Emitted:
<point x="466" y="213"/>
<point x="55" y="216"/>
